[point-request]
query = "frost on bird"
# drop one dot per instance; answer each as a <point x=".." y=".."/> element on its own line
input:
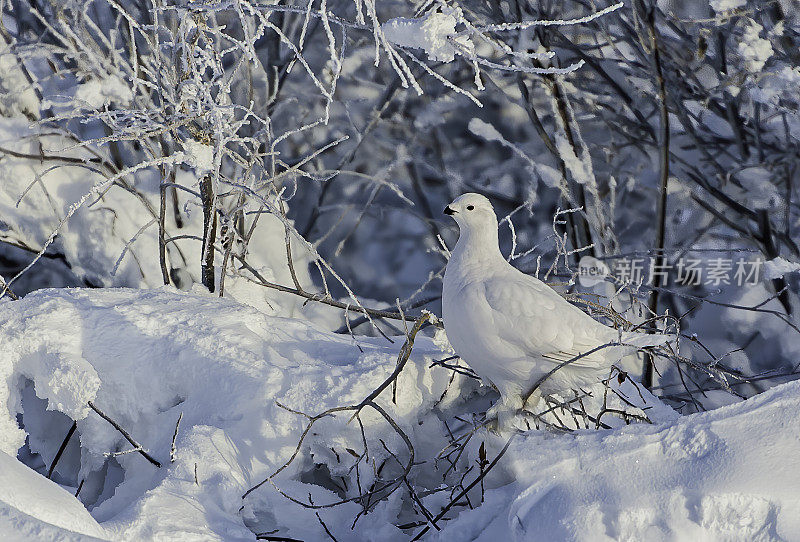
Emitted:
<point x="513" y="329"/>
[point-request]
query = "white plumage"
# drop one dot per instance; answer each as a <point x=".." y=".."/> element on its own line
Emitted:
<point x="511" y="328"/>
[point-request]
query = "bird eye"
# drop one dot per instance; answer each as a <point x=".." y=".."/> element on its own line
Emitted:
<point x="470" y="207"/>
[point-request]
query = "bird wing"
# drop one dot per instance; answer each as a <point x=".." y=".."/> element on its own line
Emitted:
<point x="532" y="316"/>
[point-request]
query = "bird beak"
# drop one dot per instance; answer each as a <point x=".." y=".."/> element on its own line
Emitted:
<point x="449" y="211"/>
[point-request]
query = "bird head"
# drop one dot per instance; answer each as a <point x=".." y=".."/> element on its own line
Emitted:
<point x="472" y="212"/>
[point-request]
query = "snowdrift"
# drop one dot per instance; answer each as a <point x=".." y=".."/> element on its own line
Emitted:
<point x="731" y="474"/>
<point x="34" y="508"/>
<point x="146" y="358"/>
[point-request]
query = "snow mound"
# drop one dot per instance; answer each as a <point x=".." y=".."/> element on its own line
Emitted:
<point x="34" y="508"/>
<point x="730" y="474"/>
<point x="147" y="358"/>
<point x="144" y="358"/>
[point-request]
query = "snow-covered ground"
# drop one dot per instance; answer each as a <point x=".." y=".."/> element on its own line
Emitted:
<point x="146" y="357"/>
<point x="34" y="508"/>
<point x="730" y="474"/>
<point x="282" y="154"/>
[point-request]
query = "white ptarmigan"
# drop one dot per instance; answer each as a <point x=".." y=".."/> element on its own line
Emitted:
<point x="511" y="328"/>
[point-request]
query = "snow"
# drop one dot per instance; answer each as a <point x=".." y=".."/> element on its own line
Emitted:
<point x="144" y="357"/>
<point x="754" y="50"/>
<point x="34" y="197"/>
<point x="760" y="187"/>
<point x="485" y="130"/>
<point x="223" y="365"/>
<point x="18" y="95"/>
<point x="432" y="33"/>
<point x="578" y="168"/>
<point x="721" y="6"/>
<point x="729" y="474"/>
<point x="778" y="267"/>
<point x="550" y="176"/>
<point x="34" y="508"/>
<point x="775" y="85"/>
<point x="147" y="357"/>
<point x="198" y="156"/>
<point x="99" y="92"/>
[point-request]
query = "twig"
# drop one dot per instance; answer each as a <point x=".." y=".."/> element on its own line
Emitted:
<point x="62" y="448"/>
<point x="390" y="485"/>
<point x="416" y="499"/>
<point x="564" y="364"/>
<point x="174" y="436"/>
<point x="402" y="359"/>
<point x="322" y="299"/>
<point x="475" y="482"/>
<point x="327" y="531"/>
<point x="647" y="13"/>
<point x="209" y="232"/>
<point x="136" y="445"/>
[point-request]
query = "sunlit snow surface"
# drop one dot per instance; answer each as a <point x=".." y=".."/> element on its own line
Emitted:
<point x="145" y="357"/>
<point x="33" y="508"/>
<point x="730" y="474"/>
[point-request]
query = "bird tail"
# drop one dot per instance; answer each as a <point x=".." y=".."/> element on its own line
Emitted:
<point x="642" y="340"/>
